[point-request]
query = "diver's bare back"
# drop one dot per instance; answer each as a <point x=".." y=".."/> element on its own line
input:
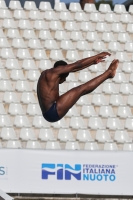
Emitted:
<point x="47" y="89"/>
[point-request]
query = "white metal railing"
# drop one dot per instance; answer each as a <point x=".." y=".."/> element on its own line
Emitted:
<point x="4" y="196"/>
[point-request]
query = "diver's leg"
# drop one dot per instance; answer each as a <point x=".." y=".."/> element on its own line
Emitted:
<point x="67" y="100"/>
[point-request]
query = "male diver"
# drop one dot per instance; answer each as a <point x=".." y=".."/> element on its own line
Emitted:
<point x="54" y="106"/>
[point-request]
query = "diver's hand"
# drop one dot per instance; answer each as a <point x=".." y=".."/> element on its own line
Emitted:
<point x="101" y="56"/>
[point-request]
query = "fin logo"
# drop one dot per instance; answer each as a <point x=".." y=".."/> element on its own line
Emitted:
<point x="61" y="171"/>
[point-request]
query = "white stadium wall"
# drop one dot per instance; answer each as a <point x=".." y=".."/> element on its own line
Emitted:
<point x="66" y="172"/>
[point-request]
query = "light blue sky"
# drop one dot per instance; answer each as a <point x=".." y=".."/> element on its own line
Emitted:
<point x="117" y="1"/>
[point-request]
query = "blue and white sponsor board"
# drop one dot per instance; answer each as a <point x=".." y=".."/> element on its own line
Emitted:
<point x="66" y="172"/>
<point x="86" y="172"/>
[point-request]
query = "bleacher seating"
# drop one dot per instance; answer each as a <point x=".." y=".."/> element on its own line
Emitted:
<point x="31" y="40"/>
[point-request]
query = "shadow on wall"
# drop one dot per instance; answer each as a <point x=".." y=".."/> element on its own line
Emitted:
<point x="110" y="2"/>
<point x="36" y="1"/>
<point x="67" y="2"/>
<point x="97" y="3"/>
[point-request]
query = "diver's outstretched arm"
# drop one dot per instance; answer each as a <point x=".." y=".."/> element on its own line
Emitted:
<point x="80" y="64"/>
<point x="86" y="62"/>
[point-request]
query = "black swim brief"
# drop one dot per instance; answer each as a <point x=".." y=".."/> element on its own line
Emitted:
<point x="51" y="115"/>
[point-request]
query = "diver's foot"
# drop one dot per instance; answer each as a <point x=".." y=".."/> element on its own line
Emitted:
<point x="113" y="67"/>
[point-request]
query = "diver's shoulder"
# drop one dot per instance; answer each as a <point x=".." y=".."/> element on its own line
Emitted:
<point x="48" y="73"/>
<point x="45" y="72"/>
